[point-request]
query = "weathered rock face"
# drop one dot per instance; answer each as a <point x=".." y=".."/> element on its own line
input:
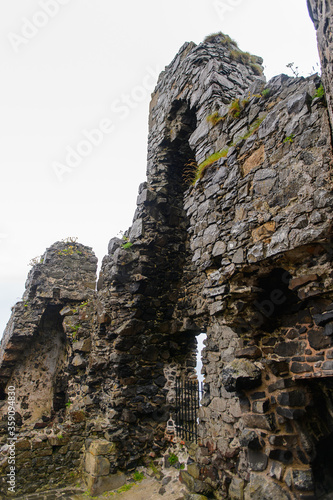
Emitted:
<point x="259" y="282"/>
<point x="139" y="286"/>
<point x="321" y="13"/>
<point x="43" y="351"/>
<point x="243" y="253"/>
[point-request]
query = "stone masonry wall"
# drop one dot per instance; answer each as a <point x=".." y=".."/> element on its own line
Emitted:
<point x="43" y="352"/>
<point x="243" y="253"/>
<point x="321" y="12"/>
<point x="260" y="232"/>
<point x="139" y="285"/>
<point x="127" y="363"/>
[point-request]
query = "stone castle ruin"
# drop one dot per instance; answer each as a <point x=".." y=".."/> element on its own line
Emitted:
<point x="232" y="236"/>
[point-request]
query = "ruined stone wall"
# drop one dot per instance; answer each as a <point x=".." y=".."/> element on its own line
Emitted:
<point x="43" y="354"/>
<point x="239" y="255"/>
<point x="139" y="284"/>
<point x="321" y="12"/>
<point x="243" y="253"/>
<point x="260" y="236"/>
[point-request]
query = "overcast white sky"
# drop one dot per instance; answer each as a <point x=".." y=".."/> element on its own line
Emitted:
<point x="71" y="66"/>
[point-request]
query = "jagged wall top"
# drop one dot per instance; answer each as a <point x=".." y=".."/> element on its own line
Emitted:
<point x="206" y="77"/>
<point x="65" y="273"/>
<point x="186" y="269"/>
<point x="321" y="13"/>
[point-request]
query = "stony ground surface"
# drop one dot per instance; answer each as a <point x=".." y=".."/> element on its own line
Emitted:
<point x="161" y="482"/>
<point x="149" y="488"/>
<point x="167" y="488"/>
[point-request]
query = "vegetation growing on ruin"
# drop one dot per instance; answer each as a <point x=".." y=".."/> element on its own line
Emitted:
<point x="70" y="239"/>
<point x="202" y="167"/>
<point x="36" y="260"/>
<point x="126" y="487"/>
<point x="173" y="459"/>
<point x="237" y="106"/>
<point x="235" y="53"/>
<point x="189" y="172"/>
<point x="214" y="118"/>
<point x="71" y="247"/>
<point x="266" y="92"/>
<point x="138" y="476"/>
<point x="153" y="467"/>
<point x="222" y="38"/>
<point x="196" y="172"/>
<point x="293" y="68"/>
<point x="320" y="92"/>
<point x="75" y="330"/>
<point x="248" y="59"/>
<point x="290" y="138"/>
<point x="252" y="129"/>
<point x="127" y="243"/>
<point x="256" y="68"/>
<point x="70" y="250"/>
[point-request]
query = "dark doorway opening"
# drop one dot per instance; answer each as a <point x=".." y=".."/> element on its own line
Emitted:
<point x="322" y="469"/>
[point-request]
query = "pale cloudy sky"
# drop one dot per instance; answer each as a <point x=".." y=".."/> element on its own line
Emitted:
<point x="70" y="67"/>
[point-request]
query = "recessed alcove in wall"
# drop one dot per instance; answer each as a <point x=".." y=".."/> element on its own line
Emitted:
<point x="40" y="370"/>
<point x="262" y="299"/>
<point x="275" y="298"/>
<point x="167" y="180"/>
<point x="179" y="155"/>
<point x="174" y="153"/>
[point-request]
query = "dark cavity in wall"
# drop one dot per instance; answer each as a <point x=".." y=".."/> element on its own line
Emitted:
<point x="323" y="468"/>
<point x="3" y="395"/>
<point x="51" y="324"/>
<point x="177" y="155"/>
<point x="318" y="435"/>
<point x="271" y="300"/>
<point x="170" y="250"/>
<point x="275" y="299"/>
<point x="182" y="122"/>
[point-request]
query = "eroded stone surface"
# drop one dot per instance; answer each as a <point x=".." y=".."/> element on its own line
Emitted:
<point x="244" y="255"/>
<point x="321" y="14"/>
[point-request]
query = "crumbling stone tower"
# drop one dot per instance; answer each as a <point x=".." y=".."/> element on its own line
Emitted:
<point x="232" y="237"/>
